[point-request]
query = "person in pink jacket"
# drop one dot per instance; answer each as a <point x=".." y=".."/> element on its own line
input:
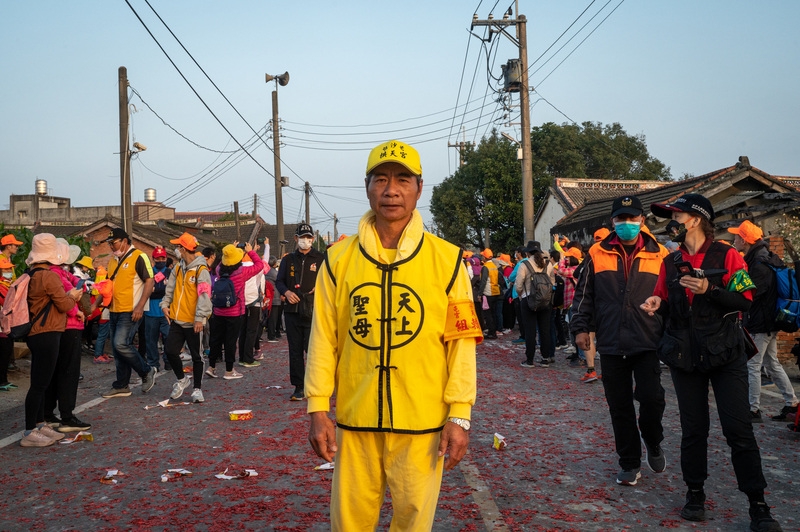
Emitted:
<point x="228" y="302"/>
<point x="63" y="387"/>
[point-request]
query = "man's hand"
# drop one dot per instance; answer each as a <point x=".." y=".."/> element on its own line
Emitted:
<point x="247" y="247"/>
<point x="584" y="341"/>
<point x="457" y="439"/>
<point x="652" y="304"/>
<point x="198" y="327"/>
<point x="322" y="436"/>
<point x="138" y="312"/>
<point x="697" y="286"/>
<point x="291" y="297"/>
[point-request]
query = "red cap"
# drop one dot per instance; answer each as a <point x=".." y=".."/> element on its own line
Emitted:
<point x="159" y="252"/>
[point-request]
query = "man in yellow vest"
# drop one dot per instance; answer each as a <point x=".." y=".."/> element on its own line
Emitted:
<point x="394" y="333"/>
<point x="187" y="306"/>
<point x="132" y="276"/>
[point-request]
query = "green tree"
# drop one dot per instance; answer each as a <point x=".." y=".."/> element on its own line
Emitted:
<point x="487" y="192"/>
<point x="25" y="236"/>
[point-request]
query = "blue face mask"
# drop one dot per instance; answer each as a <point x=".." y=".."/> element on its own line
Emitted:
<point x="627" y="230"/>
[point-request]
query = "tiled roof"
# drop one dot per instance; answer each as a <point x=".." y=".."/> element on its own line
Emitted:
<point x="226" y="232"/>
<point x="58" y="230"/>
<point x="576" y="192"/>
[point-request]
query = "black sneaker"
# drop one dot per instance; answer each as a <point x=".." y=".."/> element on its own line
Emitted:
<point x="695" y="507"/>
<point x="755" y="417"/>
<point x="149" y="380"/>
<point x="787" y="413"/>
<point x="761" y="520"/>
<point x="629" y="477"/>
<point x="654" y="457"/>
<point x="73" y="424"/>
<point x="543" y="363"/>
<point x="298" y="395"/>
<point x="53" y="421"/>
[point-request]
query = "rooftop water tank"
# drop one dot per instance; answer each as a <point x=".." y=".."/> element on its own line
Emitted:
<point x="150" y="194"/>
<point x="41" y="187"/>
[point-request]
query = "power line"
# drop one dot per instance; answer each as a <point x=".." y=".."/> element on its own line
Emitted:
<point x="562" y="34"/>
<point x="458" y="95"/>
<point x="134" y="91"/>
<point x="190" y="85"/>
<point x="580" y="43"/>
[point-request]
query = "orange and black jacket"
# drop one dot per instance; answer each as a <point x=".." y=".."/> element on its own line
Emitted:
<point x="608" y="299"/>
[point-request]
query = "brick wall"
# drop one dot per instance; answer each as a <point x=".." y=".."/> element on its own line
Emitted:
<point x="785" y="340"/>
<point x="104" y="249"/>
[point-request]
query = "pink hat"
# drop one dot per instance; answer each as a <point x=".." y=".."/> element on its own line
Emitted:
<point x="45" y="248"/>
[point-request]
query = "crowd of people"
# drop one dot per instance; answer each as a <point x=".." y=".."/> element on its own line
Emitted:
<point x="390" y="319"/>
<point x="153" y="309"/>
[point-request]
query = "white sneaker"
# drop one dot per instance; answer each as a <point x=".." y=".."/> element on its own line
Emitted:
<point x="179" y="386"/>
<point x="571" y="349"/>
<point x="36" y="439"/>
<point x="197" y="396"/>
<point x="185" y="356"/>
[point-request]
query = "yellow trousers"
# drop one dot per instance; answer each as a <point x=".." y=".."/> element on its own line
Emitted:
<point x="366" y="462"/>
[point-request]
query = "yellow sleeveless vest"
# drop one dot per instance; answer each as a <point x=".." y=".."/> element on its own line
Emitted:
<point x="127" y="285"/>
<point x="184" y="299"/>
<point x="493" y="273"/>
<point x="393" y="321"/>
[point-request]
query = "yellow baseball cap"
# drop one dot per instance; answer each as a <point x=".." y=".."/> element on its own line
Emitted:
<point x="86" y="261"/>
<point x="397" y="152"/>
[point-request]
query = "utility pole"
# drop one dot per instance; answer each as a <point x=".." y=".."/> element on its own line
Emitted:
<point x="460" y="146"/>
<point x="521" y="41"/>
<point x="329" y="238"/>
<point x="335" y="230"/>
<point x="308" y="207"/>
<point x="124" y="153"/>
<point x="316" y="239"/>
<point x="276" y="149"/>
<point x="487" y="244"/>
<point x="255" y="206"/>
<point x="236" y="217"/>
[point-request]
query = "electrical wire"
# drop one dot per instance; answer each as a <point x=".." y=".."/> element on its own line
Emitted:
<point x="458" y="95"/>
<point x="134" y="91"/>
<point x="563" y="33"/>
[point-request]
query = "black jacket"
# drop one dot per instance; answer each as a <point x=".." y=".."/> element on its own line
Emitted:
<point x="761" y="317"/>
<point x="298" y="269"/>
<point x="606" y="300"/>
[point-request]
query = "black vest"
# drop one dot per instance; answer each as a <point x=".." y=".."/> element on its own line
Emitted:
<point x="703" y="335"/>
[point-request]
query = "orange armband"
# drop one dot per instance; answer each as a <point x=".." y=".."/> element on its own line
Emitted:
<point x="462" y="322"/>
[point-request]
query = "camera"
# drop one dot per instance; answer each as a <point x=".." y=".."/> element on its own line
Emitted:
<point x="685" y="268"/>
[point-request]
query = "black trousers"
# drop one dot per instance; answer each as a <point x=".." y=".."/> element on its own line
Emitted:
<point x="519" y="318"/>
<point x="63" y="387"/>
<point x="489" y="315"/>
<point x="561" y="327"/>
<point x="6" y="356"/>
<point x="174" y="345"/>
<point x="274" y="322"/>
<point x="248" y="332"/>
<point x="730" y="393"/>
<point x="479" y="313"/>
<point x="536" y="322"/>
<point x="619" y="373"/>
<point x="509" y="314"/>
<point x="298" y="330"/>
<point x="44" y="355"/>
<point x="224" y="333"/>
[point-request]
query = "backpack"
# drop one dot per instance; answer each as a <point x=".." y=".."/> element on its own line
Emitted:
<point x="224" y="293"/>
<point x="540" y="296"/>
<point x="15" y="319"/>
<point x="787" y="308"/>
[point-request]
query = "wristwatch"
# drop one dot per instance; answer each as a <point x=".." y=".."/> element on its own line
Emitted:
<point x="463" y="423"/>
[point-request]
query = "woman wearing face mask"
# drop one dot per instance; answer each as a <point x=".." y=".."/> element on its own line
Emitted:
<point x="703" y="344"/>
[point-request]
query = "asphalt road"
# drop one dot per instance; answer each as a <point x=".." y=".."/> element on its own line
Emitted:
<point x="557" y="473"/>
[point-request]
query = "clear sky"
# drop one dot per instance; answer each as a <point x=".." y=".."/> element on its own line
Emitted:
<point x="704" y="81"/>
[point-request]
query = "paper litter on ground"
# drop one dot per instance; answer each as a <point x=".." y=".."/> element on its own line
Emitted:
<point x="109" y="476"/>
<point x="325" y="466"/>
<point x="175" y="473"/>
<point x="241" y="474"/>
<point x="499" y="442"/>
<point x="276" y="387"/>
<point x="165" y="404"/>
<point x="80" y="436"/>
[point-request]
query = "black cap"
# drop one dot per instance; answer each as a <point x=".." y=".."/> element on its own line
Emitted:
<point x="627" y="205"/>
<point x="117" y="233"/>
<point x="532" y="246"/>
<point x="304" y="230"/>
<point x="692" y="203"/>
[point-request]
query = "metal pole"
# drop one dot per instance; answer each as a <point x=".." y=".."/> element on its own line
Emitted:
<point x="308" y="209"/>
<point x="236" y="218"/>
<point x="276" y="148"/>
<point x="527" y="158"/>
<point x="335" y="230"/>
<point x="124" y="153"/>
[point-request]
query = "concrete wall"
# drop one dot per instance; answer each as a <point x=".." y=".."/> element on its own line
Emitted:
<point x="71" y="215"/>
<point x="553" y="212"/>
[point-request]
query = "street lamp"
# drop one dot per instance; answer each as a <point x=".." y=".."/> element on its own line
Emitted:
<point x="281" y="80"/>
<point x="512" y="139"/>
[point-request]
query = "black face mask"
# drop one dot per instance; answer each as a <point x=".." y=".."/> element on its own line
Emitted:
<point x="161" y="264"/>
